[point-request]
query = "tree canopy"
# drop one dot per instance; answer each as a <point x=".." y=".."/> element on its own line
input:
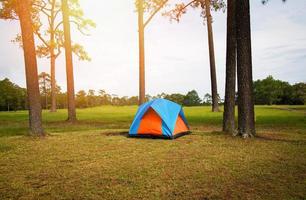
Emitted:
<point x="12" y="97"/>
<point x="270" y="91"/>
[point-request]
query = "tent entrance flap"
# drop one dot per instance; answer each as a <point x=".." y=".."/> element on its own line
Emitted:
<point x="150" y="123"/>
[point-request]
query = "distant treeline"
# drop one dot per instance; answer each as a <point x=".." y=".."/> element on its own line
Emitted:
<point x="12" y="97"/>
<point x="266" y="92"/>
<point x="271" y="91"/>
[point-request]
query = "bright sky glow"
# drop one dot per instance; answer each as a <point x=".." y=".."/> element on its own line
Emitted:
<point x="176" y="53"/>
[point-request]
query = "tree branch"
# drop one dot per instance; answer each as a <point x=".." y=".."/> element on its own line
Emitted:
<point x="79" y="27"/>
<point x="58" y="52"/>
<point x="57" y="26"/>
<point x="43" y="11"/>
<point x="76" y="23"/>
<point x="188" y="4"/>
<point x="42" y="7"/>
<point x="41" y="38"/>
<point x="56" y="13"/>
<point x="183" y="8"/>
<point x="154" y="13"/>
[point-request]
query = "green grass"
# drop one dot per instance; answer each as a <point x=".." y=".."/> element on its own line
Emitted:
<point x="93" y="158"/>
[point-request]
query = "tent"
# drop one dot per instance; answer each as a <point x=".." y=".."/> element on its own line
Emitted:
<point x="159" y="118"/>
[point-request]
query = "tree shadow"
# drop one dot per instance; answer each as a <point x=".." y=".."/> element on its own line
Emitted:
<point x="13" y="131"/>
<point x="209" y="133"/>
<point x="295" y="142"/>
<point x="117" y="133"/>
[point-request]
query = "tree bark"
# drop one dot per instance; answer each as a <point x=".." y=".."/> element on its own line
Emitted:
<point x="53" y="82"/>
<point x="214" y="91"/>
<point x="35" y="121"/>
<point x="45" y="91"/>
<point x="52" y="61"/>
<point x="246" y="123"/>
<point x="141" y="53"/>
<point x="230" y="82"/>
<point x="69" y="63"/>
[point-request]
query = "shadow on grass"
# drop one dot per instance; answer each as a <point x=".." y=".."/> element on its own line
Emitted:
<point x="291" y="109"/>
<point x="118" y="133"/>
<point x="126" y="135"/>
<point x="83" y="125"/>
<point x="209" y="133"/>
<point x="148" y="137"/>
<point x="273" y="139"/>
<point x="5" y="148"/>
<point x="10" y="129"/>
<point x="142" y="137"/>
<point x="13" y="131"/>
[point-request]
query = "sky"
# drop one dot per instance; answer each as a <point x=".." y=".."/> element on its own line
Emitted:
<point x="177" y="58"/>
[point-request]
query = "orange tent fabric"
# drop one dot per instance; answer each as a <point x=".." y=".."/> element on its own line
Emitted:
<point x="180" y="126"/>
<point x="150" y="123"/>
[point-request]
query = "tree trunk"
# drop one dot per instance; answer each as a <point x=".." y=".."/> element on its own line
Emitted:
<point x="35" y="120"/>
<point x="246" y="123"/>
<point x="230" y="82"/>
<point x="52" y="61"/>
<point x="69" y="64"/>
<point x="214" y="92"/>
<point x="45" y="91"/>
<point x="141" y="53"/>
<point x="53" y="83"/>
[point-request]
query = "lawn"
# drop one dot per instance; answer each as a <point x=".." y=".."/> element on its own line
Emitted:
<point x="93" y="158"/>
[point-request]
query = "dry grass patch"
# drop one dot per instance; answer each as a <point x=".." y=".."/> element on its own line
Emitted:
<point x="93" y="159"/>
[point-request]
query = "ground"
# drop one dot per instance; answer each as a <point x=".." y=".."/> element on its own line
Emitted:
<point x="93" y="158"/>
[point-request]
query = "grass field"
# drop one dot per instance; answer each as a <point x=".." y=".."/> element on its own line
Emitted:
<point x="93" y="158"/>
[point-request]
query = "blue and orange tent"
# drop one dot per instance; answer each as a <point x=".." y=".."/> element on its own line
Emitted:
<point x="159" y="118"/>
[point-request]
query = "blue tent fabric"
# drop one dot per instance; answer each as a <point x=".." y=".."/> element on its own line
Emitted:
<point x="141" y="111"/>
<point x="168" y="112"/>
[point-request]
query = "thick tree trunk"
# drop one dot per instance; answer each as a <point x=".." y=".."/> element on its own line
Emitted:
<point x="69" y="64"/>
<point x="246" y="123"/>
<point x="30" y="68"/>
<point x="230" y="82"/>
<point x="213" y="77"/>
<point x="142" y="92"/>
